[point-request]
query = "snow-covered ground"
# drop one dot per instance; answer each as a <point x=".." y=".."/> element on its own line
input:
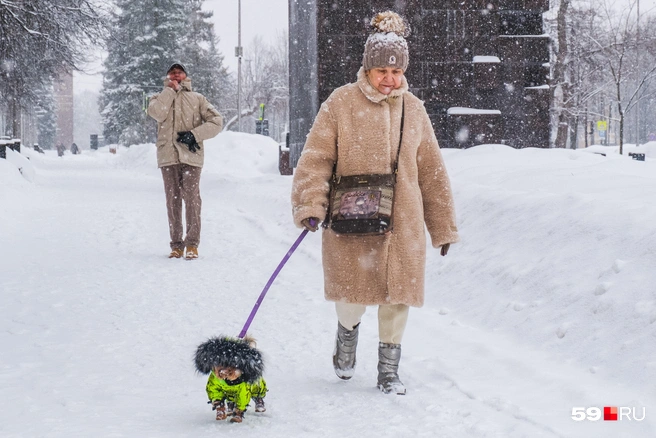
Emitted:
<point x="547" y="304"/>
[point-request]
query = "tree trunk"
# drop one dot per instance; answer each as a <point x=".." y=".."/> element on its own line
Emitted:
<point x="559" y="72"/>
<point x="15" y="118"/>
<point x="561" y="133"/>
<point x="586" y="126"/>
<point x="621" y="133"/>
<point x="573" y="133"/>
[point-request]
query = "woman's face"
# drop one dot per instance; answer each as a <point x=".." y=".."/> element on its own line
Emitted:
<point x="385" y="79"/>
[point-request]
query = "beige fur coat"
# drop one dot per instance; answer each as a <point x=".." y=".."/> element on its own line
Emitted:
<point x="359" y="127"/>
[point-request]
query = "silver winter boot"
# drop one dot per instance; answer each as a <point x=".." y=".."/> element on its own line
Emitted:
<point x="346" y="343"/>
<point x="389" y="356"/>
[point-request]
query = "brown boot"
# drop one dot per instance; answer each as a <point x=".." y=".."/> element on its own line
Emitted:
<point x="259" y="404"/>
<point x="176" y="253"/>
<point x="237" y="416"/>
<point x="191" y="253"/>
<point x="221" y="413"/>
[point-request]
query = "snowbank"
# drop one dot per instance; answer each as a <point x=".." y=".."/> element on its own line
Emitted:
<point x="649" y="149"/>
<point x="557" y="249"/>
<point x="241" y="155"/>
<point x="21" y="161"/>
<point x="231" y="154"/>
<point x="10" y="177"/>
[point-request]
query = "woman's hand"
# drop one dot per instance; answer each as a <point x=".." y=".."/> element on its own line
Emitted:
<point x="310" y="224"/>
<point x="444" y="249"/>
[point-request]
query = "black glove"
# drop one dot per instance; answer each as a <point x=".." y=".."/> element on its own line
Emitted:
<point x="445" y="249"/>
<point x="187" y="137"/>
<point x="193" y="147"/>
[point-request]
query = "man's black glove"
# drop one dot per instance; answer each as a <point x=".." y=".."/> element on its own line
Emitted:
<point x="188" y="138"/>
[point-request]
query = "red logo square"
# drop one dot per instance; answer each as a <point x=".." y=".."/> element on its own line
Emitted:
<point x="610" y="413"/>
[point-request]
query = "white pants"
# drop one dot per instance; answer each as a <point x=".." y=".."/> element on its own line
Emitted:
<point x="392" y="319"/>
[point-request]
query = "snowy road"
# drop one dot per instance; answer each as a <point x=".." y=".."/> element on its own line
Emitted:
<point x="98" y="327"/>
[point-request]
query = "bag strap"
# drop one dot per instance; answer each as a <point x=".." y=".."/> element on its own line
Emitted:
<point x="398" y="152"/>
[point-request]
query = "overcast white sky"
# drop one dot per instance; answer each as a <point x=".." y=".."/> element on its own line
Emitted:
<point x="258" y="17"/>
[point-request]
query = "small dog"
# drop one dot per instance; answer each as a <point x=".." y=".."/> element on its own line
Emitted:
<point x="235" y="369"/>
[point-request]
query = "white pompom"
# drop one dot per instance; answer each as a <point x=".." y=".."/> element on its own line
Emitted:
<point x="390" y="21"/>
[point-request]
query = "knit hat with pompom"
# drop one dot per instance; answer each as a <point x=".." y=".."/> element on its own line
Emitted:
<point x="386" y="46"/>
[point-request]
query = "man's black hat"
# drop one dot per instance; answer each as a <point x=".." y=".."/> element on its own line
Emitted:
<point x="177" y="65"/>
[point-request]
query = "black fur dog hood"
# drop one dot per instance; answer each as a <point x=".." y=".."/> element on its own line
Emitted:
<point x="224" y="351"/>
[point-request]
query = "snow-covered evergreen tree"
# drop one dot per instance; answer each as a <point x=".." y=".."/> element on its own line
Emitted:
<point x="199" y="53"/>
<point x="148" y="36"/>
<point x="144" y="41"/>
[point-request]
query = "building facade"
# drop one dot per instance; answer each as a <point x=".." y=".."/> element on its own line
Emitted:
<point x="63" y="85"/>
<point x="480" y="66"/>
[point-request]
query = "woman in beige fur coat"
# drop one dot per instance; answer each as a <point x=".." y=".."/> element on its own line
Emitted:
<point x="359" y="127"/>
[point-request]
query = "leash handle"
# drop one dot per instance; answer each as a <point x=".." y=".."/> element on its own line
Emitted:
<point x="270" y="282"/>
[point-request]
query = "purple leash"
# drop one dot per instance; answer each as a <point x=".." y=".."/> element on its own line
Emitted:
<point x="270" y="282"/>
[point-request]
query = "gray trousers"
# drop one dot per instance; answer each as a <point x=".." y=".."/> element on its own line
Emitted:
<point x="392" y="319"/>
<point x="182" y="183"/>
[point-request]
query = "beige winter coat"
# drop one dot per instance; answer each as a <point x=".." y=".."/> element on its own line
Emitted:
<point x="179" y="111"/>
<point x="366" y="124"/>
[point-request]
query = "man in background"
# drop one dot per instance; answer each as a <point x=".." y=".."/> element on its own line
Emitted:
<point x="184" y="119"/>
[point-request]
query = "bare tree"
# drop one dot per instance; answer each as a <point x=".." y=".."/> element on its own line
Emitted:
<point x="576" y="75"/>
<point x="584" y="75"/>
<point x="38" y="39"/>
<point x="561" y="87"/>
<point x="265" y="82"/>
<point x="616" y="44"/>
<point x="596" y="62"/>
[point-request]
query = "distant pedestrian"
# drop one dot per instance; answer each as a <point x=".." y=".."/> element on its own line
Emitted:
<point x="184" y="119"/>
<point x="61" y="149"/>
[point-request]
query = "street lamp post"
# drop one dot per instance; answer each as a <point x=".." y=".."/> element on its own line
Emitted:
<point x="239" y="53"/>
<point x="638" y="77"/>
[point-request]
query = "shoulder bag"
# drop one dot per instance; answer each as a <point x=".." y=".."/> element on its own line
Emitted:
<point x="362" y="205"/>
